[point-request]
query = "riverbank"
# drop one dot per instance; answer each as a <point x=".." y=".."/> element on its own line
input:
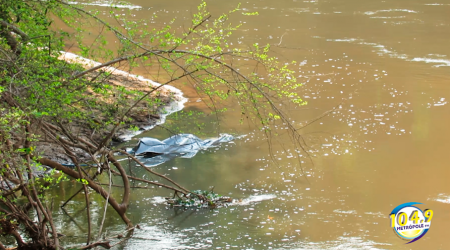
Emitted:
<point x="143" y="117"/>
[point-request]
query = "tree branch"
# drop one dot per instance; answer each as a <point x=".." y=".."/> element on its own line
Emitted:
<point x="155" y="173"/>
<point x="14" y="29"/>
<point x="91" y="184"/>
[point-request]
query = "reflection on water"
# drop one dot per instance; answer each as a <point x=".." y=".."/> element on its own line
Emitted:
<point x="381" y="70"/>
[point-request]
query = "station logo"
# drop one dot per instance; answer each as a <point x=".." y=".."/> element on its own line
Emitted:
<point x="409" y="222"/>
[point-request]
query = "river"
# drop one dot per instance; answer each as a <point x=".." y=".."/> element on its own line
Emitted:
<point x="383" y="66"/>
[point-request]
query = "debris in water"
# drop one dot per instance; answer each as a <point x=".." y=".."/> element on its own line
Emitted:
<point x="181" y="145"/>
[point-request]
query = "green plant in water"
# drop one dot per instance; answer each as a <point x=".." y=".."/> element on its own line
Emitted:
<point x="199" y="199"/>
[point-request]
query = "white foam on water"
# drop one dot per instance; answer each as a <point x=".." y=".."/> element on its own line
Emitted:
<point x="369" y="13"/>
<point x="344" y="212"/>
<point x="343" y="243"/>
<point x="343" y="40"/>
<point x="158" y="200"/>
<point x="381" y="50"/>
<point x="256" y="198"/>
<point x="443" y="198"/>
<point x="436" y="4"/>
<point x="439" y="62"/>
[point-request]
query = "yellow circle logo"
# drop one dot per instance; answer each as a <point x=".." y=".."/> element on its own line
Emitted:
<point x="409" y="222"/>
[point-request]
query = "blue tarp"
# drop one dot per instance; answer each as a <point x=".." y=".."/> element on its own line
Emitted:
<point x="181" y="145"/>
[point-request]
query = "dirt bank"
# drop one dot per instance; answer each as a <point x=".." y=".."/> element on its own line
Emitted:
<point x="144" y="117"/>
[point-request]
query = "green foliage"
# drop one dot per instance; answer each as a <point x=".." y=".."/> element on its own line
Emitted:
<point x="83" y="181"/>
<point x="134" y="128"/>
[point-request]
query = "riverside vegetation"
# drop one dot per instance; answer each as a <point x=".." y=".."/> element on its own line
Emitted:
<point x="78" y="111"/>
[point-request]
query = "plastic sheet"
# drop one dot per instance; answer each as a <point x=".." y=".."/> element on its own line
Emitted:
<point x="156" y="152"/>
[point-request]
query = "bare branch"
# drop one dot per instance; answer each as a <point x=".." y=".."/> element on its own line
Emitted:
<point x="153" y="172"/>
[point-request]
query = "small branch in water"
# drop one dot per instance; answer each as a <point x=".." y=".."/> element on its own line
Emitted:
<point x="75" y="194"/>
<point x="130" y="177"/>
<point x="106" y="206"/>
<point x="152" y="183"/>
<point x="281" y="38"/>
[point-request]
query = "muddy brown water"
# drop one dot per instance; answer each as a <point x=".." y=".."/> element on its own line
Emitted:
<point x="384" y="65"/>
